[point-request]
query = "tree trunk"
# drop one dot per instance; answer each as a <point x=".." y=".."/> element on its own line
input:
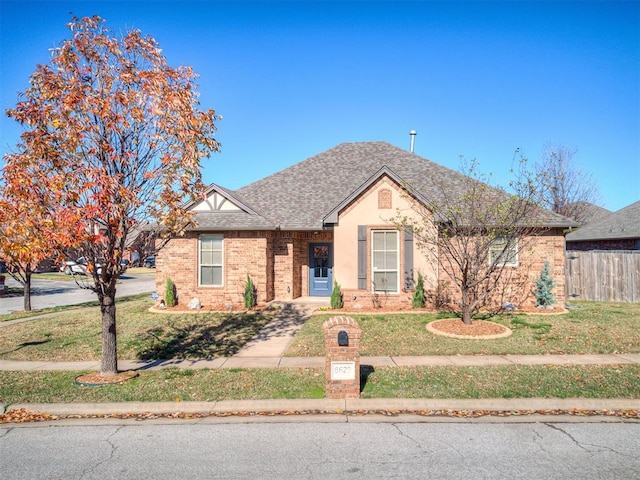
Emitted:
<point x="109" y="363"/>
<point x="465" y="307"/>
<point x="27" y="292"/>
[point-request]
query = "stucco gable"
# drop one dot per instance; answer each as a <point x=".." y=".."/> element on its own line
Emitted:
<point x="385" y="171"/>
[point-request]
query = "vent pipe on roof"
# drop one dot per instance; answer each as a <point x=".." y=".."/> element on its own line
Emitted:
<point x="413" y="134"/>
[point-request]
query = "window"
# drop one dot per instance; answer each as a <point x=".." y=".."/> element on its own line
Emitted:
<point x="210" y="260"/>
<point x="504" y="250"/>
<point x="385" y="258"/>
<point x="321" y="261"/>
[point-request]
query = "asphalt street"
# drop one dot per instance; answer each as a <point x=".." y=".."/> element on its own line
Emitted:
<point x="365" y="450"/>
<point x="52" y="293"/>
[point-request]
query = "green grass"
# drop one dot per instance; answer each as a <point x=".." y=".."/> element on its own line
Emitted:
<point x="165" y="386"/>
<point x="591" y="328"/>
<point x="64" y="277"/>
<point x="67" y="308"/>
<point x="505" y="382"/>
<point x="306" y="383"/>
<point x="73" y="335"/>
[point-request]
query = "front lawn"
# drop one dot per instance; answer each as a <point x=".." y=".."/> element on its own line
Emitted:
<point x="173" y="385"/>
<point x="73" y="335"/>
<point x="591" y="327"/>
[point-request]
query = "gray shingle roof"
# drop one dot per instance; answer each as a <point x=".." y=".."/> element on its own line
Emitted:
<point x="589" y="212"/>
<point x="299" y="197"/>
<point x="625" y="223"/>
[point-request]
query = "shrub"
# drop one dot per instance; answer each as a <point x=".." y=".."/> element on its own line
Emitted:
<point x="250" y="294"/>
<point x="336" y="296"/>
<point x="170" y="293"/>
<point x="544" y="286"/>
<point x="440" y="296"/>
<point x="419" y="298"/>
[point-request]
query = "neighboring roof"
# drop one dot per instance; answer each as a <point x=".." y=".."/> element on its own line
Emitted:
<point x="300" y="197"/>
<point x="623" y="224"/>
<point x="587" y="212"/>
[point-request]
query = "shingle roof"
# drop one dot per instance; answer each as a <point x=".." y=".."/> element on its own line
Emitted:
<point x="589" y="212"/>
<point x="299" y="197"/>
<point x="625" y="223"/>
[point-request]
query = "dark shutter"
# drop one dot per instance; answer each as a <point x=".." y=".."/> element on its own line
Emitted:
<point x="409" y="283"/>
<point x="362" y="257"/>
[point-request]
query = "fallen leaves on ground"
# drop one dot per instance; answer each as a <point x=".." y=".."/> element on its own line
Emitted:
<point x="23" y="415"/>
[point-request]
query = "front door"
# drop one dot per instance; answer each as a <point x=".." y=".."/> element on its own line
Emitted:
<point x="320" y="266"/>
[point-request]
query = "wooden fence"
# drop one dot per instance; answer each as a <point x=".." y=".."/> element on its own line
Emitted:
<point x="607" y="276"/>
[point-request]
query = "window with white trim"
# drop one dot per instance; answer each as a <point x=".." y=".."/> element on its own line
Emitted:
<point x="385" y="260"/>
<point x="504" y="251"/>
<point x="210" y="260"/>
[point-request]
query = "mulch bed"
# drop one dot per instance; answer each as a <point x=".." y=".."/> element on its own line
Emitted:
<point x="96" y="379"/>
<point x="455" y="327"/>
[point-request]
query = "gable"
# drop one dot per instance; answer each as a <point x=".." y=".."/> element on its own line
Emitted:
<point x="216" y="202"/>
<point x="224" y="210"/>
<point x="378" y="192"/>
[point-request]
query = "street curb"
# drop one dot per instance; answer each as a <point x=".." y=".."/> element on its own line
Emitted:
<point x="334" y="406"/>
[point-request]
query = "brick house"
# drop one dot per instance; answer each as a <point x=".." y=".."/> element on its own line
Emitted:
<point x="322" y="220"/>
<point x="616" y="231"/>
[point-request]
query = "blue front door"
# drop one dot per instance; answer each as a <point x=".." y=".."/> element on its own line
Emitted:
<point x="320" y="266"/>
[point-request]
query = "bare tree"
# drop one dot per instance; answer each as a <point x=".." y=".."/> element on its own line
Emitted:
<point x="476" y="234"/>
<point x="567" y="189"/>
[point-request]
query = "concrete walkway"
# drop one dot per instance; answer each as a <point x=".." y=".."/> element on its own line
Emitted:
<point x="313" y="362"/>
<point x="274" y="339"/>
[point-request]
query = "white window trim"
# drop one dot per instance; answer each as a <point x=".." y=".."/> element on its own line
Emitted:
<point x="507" y="263"/>
<point x="396" y="290"/>
<point x="200" y="265"/>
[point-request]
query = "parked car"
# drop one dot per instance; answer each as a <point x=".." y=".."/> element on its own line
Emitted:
<point x="150" y="262"/>
<point x="78" y="266"/>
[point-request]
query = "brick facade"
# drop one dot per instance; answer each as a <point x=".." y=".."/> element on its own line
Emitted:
<point x="278" y="263"/>
<point x="617" y="244"/>
<point x="520" y="279"/>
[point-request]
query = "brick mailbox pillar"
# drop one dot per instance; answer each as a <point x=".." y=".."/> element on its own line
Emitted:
<point x="342" y="360"/>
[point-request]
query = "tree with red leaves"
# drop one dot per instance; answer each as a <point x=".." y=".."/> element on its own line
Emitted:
<point x="114" y="139"/>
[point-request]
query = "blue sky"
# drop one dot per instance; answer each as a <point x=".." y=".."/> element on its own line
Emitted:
<point x="292" y="79"/>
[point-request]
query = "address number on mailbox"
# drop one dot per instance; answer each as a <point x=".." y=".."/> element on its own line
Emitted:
<point x="343" y="370"/>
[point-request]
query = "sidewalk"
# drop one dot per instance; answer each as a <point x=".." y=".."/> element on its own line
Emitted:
<point x="267" y="348"/>
<point x="318" y="362"/>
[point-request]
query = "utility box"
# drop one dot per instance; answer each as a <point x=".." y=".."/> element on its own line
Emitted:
<point x="342" y="358"/>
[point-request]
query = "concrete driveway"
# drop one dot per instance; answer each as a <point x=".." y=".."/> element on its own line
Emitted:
<point x="53" y="293"/>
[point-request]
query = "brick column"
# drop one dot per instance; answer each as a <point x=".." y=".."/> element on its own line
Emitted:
<point x="342" y="358"/>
